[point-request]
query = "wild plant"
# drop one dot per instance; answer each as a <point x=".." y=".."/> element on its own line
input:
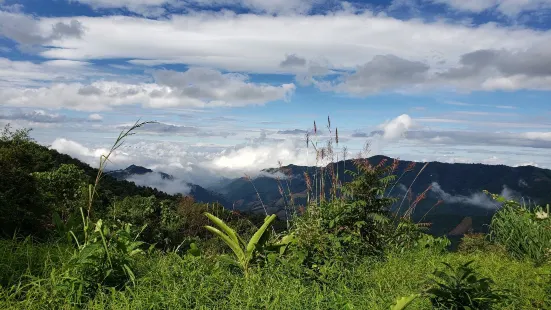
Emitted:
<point x="457" y="288"/>
<point x="245" y="253"/>
<point x="103" y="256"/>
<point x="461" y="288"/>
<point x="524" y="231"/>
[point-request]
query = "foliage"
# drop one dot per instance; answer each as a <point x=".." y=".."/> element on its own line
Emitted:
<point x="347" y="227"/>
<point x="403" y="302"/>
<point x="406" y="235"/>
<point x="524" y="231"/>
<point x="106" y="257"/>
<point x="169" y="281"/>
<point x="22" y="206"/>
<point x="63" y="191"/>
<point x="245" y="252"/>
<point x="477" y="242"/>
<point x="460" y="288"/>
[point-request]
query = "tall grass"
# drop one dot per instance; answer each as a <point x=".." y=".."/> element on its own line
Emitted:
<point x="169" y="281"/>
<point x="523" y="230"/>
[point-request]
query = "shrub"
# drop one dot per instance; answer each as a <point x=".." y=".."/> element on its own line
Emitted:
<point x="478" y="242"/>
<point x="460" y="288"/>
<point x="525" y="232"/>
<point x="63" y="191"/>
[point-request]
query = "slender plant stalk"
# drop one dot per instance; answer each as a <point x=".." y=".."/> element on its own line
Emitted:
<point x="93" y="189"/>
<point x="415" y="179"/>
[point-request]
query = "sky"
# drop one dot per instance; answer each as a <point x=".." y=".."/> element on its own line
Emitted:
<point x="234" y="85"/>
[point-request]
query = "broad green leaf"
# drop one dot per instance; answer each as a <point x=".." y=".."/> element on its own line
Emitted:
<point x="258" y="234"/>
<point x="234" y="245"/>
<point x="230" y="232"/>
<point x="403" y="302"/>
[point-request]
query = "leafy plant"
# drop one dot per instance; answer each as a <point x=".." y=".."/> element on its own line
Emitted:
<point x="403" y="302"/>
<point x="523" y="230"/>
<point x="460" y="288"/>
<point x="244" y="252"/>
<point x="106" y="257"/>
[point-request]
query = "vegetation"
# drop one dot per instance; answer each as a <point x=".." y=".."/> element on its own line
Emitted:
<point x="71" y="241"/>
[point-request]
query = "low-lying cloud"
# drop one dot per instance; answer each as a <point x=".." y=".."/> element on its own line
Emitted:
<point x="476" y="199"/>
<point x="154" y="179"/>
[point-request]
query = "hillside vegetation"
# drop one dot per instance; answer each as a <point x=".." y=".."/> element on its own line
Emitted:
<point x="76" y="238"/>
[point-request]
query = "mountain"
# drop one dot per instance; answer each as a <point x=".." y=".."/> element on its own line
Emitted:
<point x="134" y="170"/>
<point x="454" y="195"/>
<point x="459" y="186"/>
<point x="200" y="194"/>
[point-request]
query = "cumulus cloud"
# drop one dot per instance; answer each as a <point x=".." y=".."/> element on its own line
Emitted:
<point x="221" y="88"/>
<point x="342" y="39"/>
<point x="252" y="159"/>
<point x="502" y="69"/>
<point x="88" y="155"/>
<point x="193" y="88"/>
<point x="95" y="117"/>
<point x="386" y="55"/>
<point x="293" y="60"/>
<point x="27" y="30"/>
<point x="477" y="199"/>
<point x="202" y="164"/>
<point x="397" y="128"/>
<point x="383" y="72"/>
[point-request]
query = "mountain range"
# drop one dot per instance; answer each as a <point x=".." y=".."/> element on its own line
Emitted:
<point x="454" y="191"/>
<point x="199" y="193"/>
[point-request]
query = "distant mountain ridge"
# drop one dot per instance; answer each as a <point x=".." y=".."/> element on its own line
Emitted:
<point x="458" y="185"/>
<point x="136" y="170"/>
<point x="199" y="193"/>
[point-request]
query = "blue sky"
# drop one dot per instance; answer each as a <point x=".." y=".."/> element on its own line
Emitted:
<point x="235" y="84"/>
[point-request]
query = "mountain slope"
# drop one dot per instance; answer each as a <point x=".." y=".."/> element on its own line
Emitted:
<point x="200" y="194"/>
<point x="459" y="186"/>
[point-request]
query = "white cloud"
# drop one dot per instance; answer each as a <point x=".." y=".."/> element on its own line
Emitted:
<point x="193" y="163"/>
<point x="476" y="199"/>
<point x="27" y="30"/>
<point x="369" y="47"/>
<point x="156" y="180"/>
<point x="95" y="117"/>
<point x="36" y="116"/>
<point x="26" y="73"/>
<point x="251" y="159"/>
<point x="457" y="137"/>
<point x="397" y="128"/>
<point x="90" y="156"/>
<point x="196" y="87"/>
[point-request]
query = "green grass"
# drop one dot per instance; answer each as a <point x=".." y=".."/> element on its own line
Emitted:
<point x="168" y="281"/>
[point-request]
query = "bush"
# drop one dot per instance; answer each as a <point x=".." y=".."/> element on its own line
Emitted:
<point x="523" y="231"/>
<point x="478" y="242"/>
<point x="460" y="288"/>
